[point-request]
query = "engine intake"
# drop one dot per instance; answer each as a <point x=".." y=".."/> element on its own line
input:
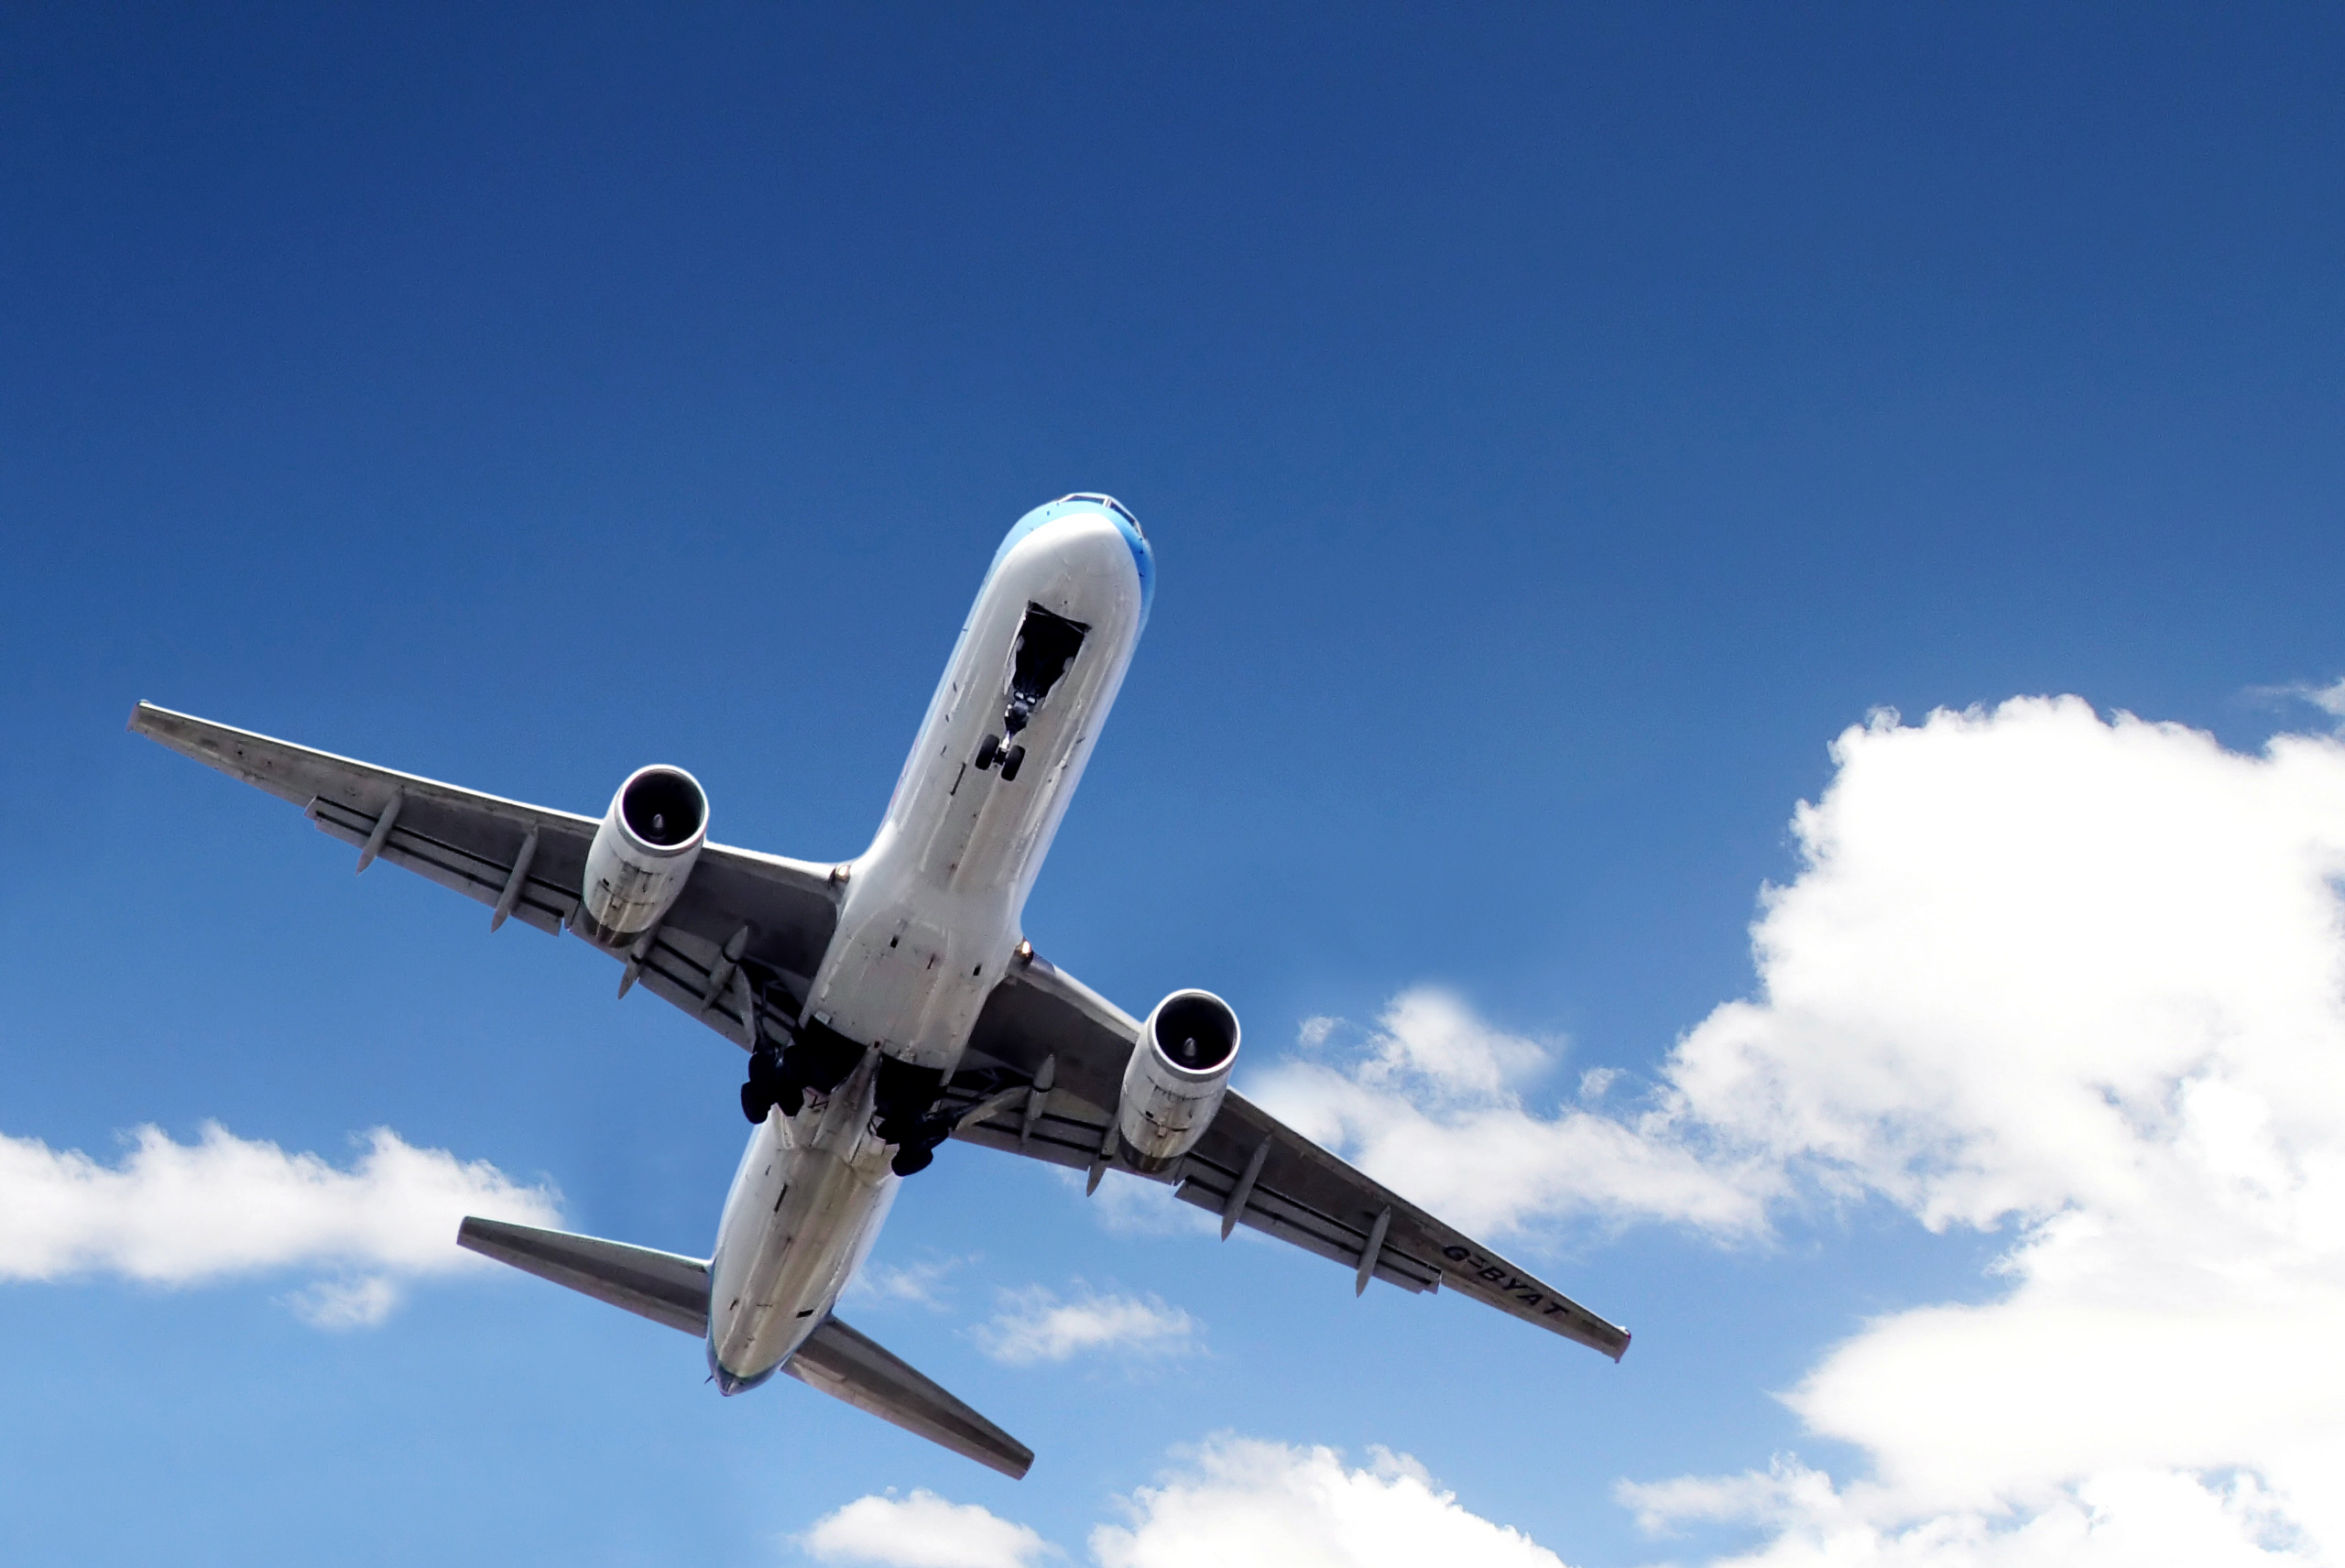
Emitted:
<point x="642" y="853"/>
<point x="1176" y="1077"/>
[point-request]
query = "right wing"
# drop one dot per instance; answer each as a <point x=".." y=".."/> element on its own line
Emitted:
<point x="472" y="843"/>
<point x="1251" y="1167"/>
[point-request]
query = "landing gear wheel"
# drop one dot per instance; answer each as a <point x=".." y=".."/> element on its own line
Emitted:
<point x="756" y="1104"/>
<point x="987" y="749"/>
<point x="1010" y="763"/>
<point x="911" y="1159"/>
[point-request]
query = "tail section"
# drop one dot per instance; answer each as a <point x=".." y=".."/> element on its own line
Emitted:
<point x="848" y="1365"/>
<point x="672" y="1289"/>
<point x="661" y="1286"/>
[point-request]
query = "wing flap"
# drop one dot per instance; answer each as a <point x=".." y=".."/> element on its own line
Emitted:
<point x="851" y="1365"/>
<point x="665" y="1287"/>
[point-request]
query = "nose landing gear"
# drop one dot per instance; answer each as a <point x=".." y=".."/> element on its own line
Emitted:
<point x="990" y="751"/>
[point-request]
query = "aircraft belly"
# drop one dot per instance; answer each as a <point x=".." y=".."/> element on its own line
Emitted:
<point x="812" y="1194"/>
<point x="912" y="979"/>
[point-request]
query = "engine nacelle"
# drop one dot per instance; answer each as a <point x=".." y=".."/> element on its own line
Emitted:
<point x="642" y="853"/>
<point x="1176" y="1077"/>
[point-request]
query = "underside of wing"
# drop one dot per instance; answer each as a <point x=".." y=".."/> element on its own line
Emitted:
<point x="1044" y="1077"/>
<point x="772" y="916"/>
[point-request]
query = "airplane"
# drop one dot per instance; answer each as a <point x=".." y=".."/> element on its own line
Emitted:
<point x="891" y="1002"/>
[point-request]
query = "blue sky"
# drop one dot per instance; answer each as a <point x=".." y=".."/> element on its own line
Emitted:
<point x="1556" y="427"/>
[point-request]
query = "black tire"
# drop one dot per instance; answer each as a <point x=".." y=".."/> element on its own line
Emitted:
<point x="911" y="1159"/>
<point x="765" y="1071"/>
<point x="987" y="749"/>
<point x="1011" y="760"/>
<point x="756" y="1104"/>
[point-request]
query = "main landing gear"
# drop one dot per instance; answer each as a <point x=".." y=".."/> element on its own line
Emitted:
<point x="783" y="1074"/>
<point x="905" y="1100"/>
<point x="771" y="1084"/>
<point x="819" y="1060"/>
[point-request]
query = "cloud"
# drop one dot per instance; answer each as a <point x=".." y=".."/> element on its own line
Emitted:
<point x="344" y="1304"/>
<point x="1238" y="1502"/>
<point x="1233" y="1502"/>
<point x="1432" y="1103"/>
<point x="2122" y="1517"/>
<point x="2086" y="981"/>
<point x="2329" y="699"/>
<point x="923" y="1530"/>
<point x="1036" y="1325"/>
<point x="182" y="1213"/>
<point x="1130" y="1205"/>
<point x="914" y="1284"/>
<point x="2080" y="980"/>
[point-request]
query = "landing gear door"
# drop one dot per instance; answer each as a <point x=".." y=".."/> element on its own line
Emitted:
<point x="1047" y="642"/>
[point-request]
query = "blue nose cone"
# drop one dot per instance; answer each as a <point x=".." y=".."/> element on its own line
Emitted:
<point x="1143" y="558"/>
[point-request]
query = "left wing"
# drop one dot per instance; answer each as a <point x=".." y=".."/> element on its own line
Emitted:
<point x="1042" y="1078"/>
<point x="780" y="911"/>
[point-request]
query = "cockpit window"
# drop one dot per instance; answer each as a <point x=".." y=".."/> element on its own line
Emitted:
<point x="1112" y="505"/>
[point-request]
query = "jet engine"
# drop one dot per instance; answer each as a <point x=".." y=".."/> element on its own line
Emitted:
<point x="1177" y="1075"/>
<point x="641" y="855"/>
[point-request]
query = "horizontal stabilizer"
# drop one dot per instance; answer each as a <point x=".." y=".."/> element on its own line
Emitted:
<point x="661" y="1286"/>
<point x="849" y="1365"/>
<point x="835" y="1359"/>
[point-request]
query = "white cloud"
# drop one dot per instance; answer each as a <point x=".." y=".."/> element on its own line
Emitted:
<point x="914" y="1284"/>
<point x="1036" y="1325"/>
<point x="344" y="1304"/>
<point x="1240" y="1502"/>
<point x="175" y="1213"/>
<point x="2329" y="699"/>
<point x="2080" y="980"/>
<point x="1232" y="1502"/>
<point x="2086" y="979"/>
<point x="1431" y="1105"/>
<point x="923" y="1530"/>
<point x="1125" y="1204"/>
<point x="2118" y="1516"/>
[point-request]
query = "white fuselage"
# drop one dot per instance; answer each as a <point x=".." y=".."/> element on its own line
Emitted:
<point x="927" y="923"/>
